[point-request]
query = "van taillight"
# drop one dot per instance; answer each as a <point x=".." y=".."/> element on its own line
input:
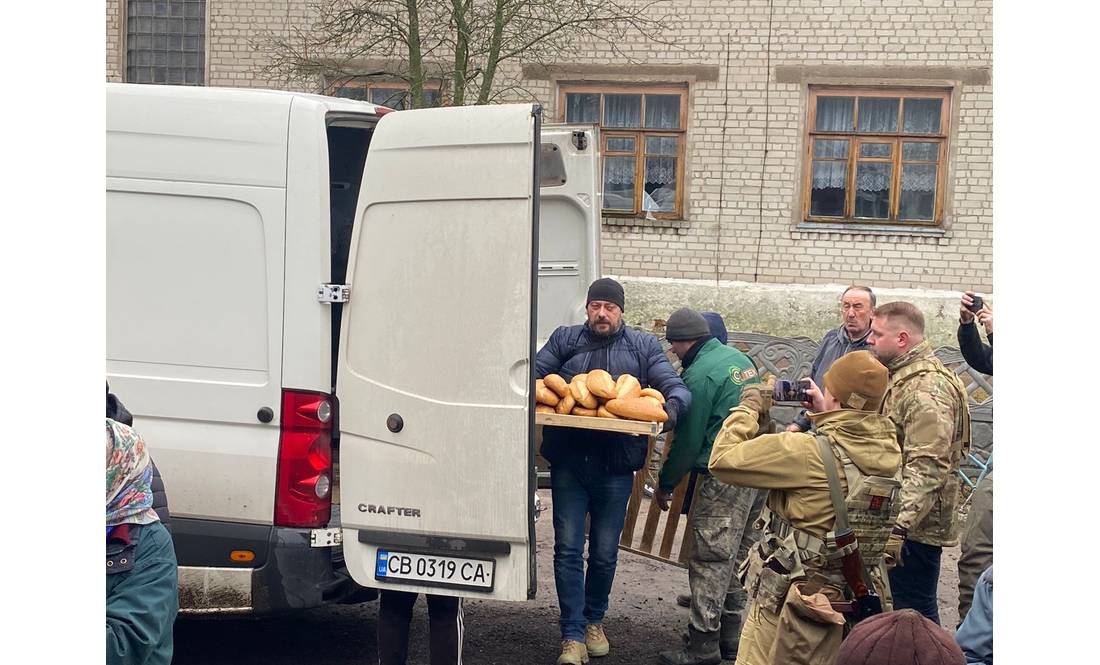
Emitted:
<point x="303" y="489"/>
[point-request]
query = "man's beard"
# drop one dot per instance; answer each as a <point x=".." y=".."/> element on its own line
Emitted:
<point x="609" y="333"/>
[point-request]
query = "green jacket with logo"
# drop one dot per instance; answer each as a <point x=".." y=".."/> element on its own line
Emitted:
<point x="714" y="378"/>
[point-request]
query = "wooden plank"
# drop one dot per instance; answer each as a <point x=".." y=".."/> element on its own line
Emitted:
<point x="673" y="520"/>
<point x="633" y="505"/>
<point x="649" y="555"/>
<point x="604" y="424"/>
<point x="654" y="513"/>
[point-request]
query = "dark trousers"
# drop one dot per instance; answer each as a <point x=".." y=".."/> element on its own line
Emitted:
<point x="444" y="628"/>
<point x="915" y="582"/>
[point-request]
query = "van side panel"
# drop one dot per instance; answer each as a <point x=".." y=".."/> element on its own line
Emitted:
<point x="195" y="337"/>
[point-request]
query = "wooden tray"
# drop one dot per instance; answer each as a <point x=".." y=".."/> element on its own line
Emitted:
<point x="605" y="424"/>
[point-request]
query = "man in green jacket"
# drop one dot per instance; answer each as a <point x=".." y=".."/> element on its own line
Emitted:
<point x="714" y="373"/>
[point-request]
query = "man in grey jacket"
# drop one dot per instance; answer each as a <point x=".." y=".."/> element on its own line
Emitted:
<point x="857" y="306"/>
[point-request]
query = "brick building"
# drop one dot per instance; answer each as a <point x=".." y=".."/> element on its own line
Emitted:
<point x="775" y="142"/>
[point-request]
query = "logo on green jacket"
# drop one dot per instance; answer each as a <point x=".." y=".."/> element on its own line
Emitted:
<point x="740" y="376"/>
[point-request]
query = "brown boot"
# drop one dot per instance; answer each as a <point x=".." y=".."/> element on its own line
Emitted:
<point x="573" y="653"/>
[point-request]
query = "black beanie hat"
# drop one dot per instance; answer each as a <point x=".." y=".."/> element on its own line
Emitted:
<point x="607" y="290"/>
<point x="686" y="325"/>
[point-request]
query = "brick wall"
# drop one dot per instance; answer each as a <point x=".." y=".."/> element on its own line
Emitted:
<point x="741" y="210"/>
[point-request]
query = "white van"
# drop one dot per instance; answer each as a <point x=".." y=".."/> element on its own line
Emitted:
<point x="297" y="281"/>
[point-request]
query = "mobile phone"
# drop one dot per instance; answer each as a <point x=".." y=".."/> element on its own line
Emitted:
<point x="977" y="305"/>
<point x="791" y="391"/>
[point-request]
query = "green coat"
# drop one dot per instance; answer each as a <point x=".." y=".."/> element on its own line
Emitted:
<point x="142" y="603"/>
<point x="714" y="378"/>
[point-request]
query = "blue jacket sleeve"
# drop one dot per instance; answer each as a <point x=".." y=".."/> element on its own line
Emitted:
<point x="663" y="377"/>
<point x="975" y="635"/>
<point x="550" y="357"/>
<point x="974" y="352"/>
<point x="142" y="607"/>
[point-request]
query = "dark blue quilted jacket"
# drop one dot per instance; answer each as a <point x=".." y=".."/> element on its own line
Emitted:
<point x="626" y="352"/>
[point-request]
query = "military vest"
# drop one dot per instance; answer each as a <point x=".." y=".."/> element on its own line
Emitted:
<point x="872" y="504"/>
<point x="961" y="442"/>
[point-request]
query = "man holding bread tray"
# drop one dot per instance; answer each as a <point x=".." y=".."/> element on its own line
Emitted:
<point x="592" y="471"/>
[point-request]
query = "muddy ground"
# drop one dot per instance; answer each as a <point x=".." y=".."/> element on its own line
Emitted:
<point x="642" y="620"/>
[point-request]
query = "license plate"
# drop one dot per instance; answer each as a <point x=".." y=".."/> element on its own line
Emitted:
<point x="435" y="570"/>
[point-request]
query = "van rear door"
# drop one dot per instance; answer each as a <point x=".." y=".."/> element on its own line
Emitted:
<point x="569" y="224"/>
<point x="434" y="366"/>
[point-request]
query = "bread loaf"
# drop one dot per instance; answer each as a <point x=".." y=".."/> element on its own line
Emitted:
<point x="543" y="408"/>
<point x="581" y="411"/>
<point x="651" y="398"/>
<point x="544" y="395"/>
<point x="602" y="412"/>
<point x="637" y="408"/>
<point x="566" y="404"/>
<point x="557" y="384"/>
<point x="600" y="384"/>
<point x="627" y="387"/>
<point x="582" y="394"/>
<point x="653" y="392"/>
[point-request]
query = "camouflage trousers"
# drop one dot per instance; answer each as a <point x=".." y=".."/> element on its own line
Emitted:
<point x="722" y="532"/>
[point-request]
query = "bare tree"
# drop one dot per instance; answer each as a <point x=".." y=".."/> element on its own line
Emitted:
<point x="460" y="42"/>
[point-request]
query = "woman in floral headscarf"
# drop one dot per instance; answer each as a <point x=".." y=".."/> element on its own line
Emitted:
<point x="142" y="599"/>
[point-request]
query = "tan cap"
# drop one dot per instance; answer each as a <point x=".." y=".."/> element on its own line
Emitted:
<point x="857" y="380"/>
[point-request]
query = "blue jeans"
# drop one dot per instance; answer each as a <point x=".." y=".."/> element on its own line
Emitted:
<point x="577" y="492"/>
<point x="915" y="582"/>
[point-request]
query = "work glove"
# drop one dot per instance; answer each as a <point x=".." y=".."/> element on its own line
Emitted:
<point x="672" y="409"/>
<point x="894" y="543"/>
<point x="758" y="396"/>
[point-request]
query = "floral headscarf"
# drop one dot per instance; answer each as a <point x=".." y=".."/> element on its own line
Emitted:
<point x="129" y="477"/>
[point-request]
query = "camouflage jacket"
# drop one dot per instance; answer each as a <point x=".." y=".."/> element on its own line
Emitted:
<point x="928" y="403"/>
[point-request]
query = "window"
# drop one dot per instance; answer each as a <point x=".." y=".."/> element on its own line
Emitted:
<point x="395" y="95"/>
<point x="166" y="41"/>
<point x="643" y="132"/>
<point x="876" y="156"/>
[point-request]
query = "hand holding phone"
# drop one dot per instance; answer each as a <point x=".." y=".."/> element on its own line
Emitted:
<point x="791" y="391"/>
<point x="976" y="305"/>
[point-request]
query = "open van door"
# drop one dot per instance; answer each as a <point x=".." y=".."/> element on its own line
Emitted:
<point x="436" y="346"/>
<point x="569" y="225"/>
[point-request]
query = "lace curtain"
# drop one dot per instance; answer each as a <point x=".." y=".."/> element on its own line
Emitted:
<point x="879" y="114"/>
<point x="874" y="177"/>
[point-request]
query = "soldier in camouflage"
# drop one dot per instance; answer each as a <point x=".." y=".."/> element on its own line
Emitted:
<point x="723" y="514"/>
<point x="800" y="594"/>
<point x="928" y="403"/>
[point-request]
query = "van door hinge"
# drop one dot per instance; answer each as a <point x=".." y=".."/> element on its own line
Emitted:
<point x="330" y="293"/>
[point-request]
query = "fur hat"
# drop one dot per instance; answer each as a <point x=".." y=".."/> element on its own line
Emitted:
<point x="607" y="290"/>
<point x="858" y="381"/>
<point x="903" y="637"/>
<point x="686" y="325"/>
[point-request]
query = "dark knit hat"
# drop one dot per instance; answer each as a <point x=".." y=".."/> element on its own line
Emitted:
<point x="717" y="326"/>
<point x="685" y="325"/>
<point x="857" y="380"/>
<point x="607" y="290"/>
<point x="903" y="637"/>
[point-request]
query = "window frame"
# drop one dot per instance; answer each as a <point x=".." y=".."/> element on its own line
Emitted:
<point x="896" y="139"/>
<point x="639" y="134"/>
<point x="124" y="46"/>
<point x="367" y="84"/>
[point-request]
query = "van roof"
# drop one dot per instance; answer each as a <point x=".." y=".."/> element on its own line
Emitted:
<point x="214" y="135"/>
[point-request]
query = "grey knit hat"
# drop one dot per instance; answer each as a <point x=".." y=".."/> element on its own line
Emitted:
<point x="685" y="325"/>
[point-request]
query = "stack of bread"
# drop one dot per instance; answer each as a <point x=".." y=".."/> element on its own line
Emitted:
<point x="596" y="394"/>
